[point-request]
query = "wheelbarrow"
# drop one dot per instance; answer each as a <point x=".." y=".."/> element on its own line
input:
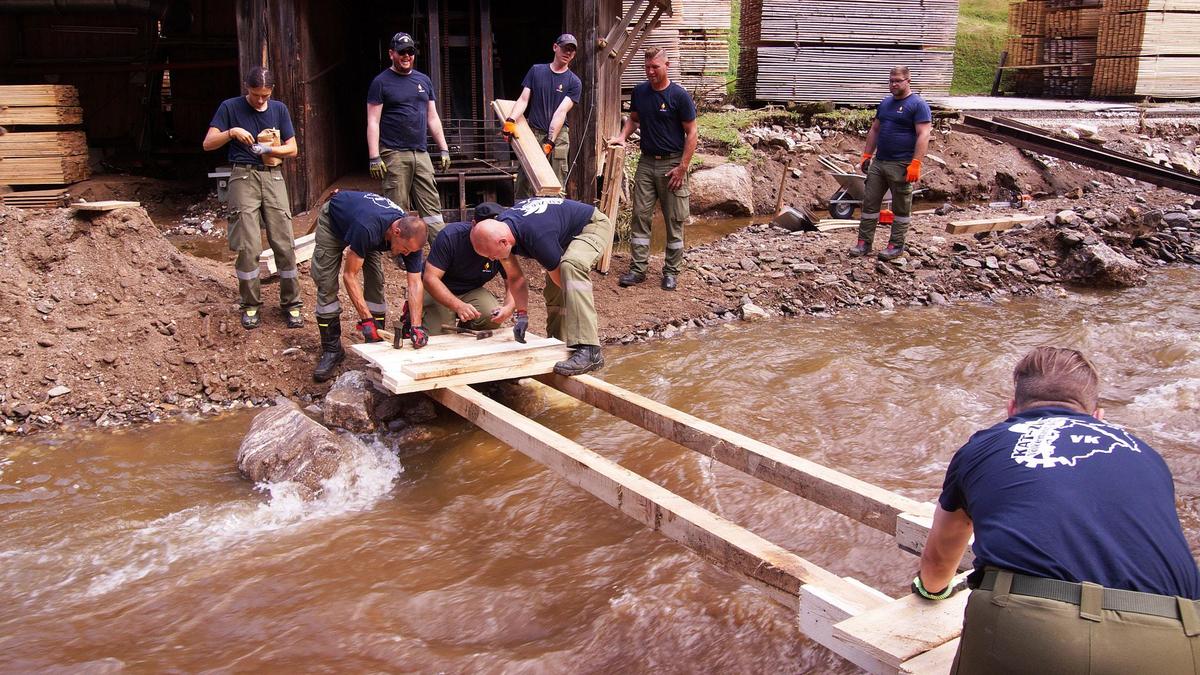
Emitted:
<point x="852" y="191"/>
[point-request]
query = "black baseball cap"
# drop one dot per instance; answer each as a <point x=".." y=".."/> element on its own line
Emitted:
<point x="486" y="210"/>
<point x="567" y="39"/>
<point x="402" y="41"/>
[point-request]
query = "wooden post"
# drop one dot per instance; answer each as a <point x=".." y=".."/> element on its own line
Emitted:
<point x="610" y="198"/>
<point x="584" y="153"/>
<point x="434" y="52"/>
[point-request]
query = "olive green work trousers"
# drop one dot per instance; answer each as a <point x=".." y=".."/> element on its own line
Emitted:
<point x="258" y="198"/>
<point x="651" y="186"/>
<point x="571" y="310"/>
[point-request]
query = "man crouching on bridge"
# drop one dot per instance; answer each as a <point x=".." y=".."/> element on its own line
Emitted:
<point x="369" y="225"/>
<point x="1081" y="565"/>
<point x="567" y="238"/>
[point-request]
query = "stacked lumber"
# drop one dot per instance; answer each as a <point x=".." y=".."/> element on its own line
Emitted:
<point x="817" y="50"/>
<point x="696" y="38"/>
<point x="42" y="144"/>
<point x="41" y="157"/>
<point x="35" y="199"/>
<point x="1081" y="22"/>
<point x="37" y="95"/>
<point x="1148" y="48"/>
<point x="1052" y="47"/>
<point x="1027" y="18"/>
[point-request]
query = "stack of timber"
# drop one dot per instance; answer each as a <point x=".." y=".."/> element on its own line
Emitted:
<point x="815" y="50"/>
<point x="35" y="199"/>
<point x="1148" y="48"/>
<point x="1026" y="33"/>
<point x="696" y="38"/>
<point x="32" y="155"/>
<point x="1052" y="47"/>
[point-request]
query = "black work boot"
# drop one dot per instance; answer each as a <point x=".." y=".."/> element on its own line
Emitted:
<point x="860" y="249"/>
<point x="669" y="282"/>
<point x="331" y="349"/>
<point x="892" y="251"/>
<point x="585" y="359"/>
<point x="250" y="318"/>
<point x="292" y="318"/>
<point x="630" y="278"/>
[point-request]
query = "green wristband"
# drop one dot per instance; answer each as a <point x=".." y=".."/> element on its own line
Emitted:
<point x="920" y="588"/>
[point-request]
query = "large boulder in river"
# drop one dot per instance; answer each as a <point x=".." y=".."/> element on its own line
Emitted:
<point x="349" y="403"/>
<point x="1100" y="265"/>
<point x="725" y="189"/>
<point x="284" y="444"/>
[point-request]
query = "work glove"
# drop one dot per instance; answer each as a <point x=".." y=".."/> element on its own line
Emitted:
<point x="509" y="130"/>
<point x="520" y="325"/>
<point x="919" y="589"/>
<point x="260" y="149"/>
<point x="548" y="148"/>
<point x="377" y="168"/>
<point x="420" y="337"/>
<point x="444" y="162"/>
<point x="369" y="330"/>
<point x="914" y="171"/>
<point x="380" y="320"/>
<point x="866" y="161"/>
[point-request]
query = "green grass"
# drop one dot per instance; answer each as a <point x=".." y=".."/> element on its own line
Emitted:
<point x="735" y="48"/>
<point x="721" y="128"/>
<point x="982" y="27"/>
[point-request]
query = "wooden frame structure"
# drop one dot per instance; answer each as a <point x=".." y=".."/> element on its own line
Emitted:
<point x="875" y="632"/>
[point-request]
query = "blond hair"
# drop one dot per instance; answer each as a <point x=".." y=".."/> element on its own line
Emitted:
<point x="654" y="52"/>
<point x="1056" y="375"/>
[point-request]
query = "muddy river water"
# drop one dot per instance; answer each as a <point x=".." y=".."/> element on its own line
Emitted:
<point x="145" y="551"/>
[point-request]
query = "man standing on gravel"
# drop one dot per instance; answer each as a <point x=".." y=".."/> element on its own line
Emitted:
<point x="257" y="193"/>
<point x="667" y="117"/>
<point x="401" y="107"/>
<point x="364" y="226"/>
<point x="896" y="145"/>
<point x="549" y="91"/>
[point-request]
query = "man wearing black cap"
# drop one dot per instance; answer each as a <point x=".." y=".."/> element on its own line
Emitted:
<point x="455" y="276"/>
<point x="549" y="92"/>
<point x="401" y="107"/>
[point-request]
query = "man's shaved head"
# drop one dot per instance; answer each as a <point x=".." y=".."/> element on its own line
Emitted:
<point x="492" y="238"/>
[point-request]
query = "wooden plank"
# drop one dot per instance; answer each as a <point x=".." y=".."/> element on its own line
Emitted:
<point x="610" y="198"/>
<point x="821" y="610"/>
<point x="33" y="95"/>
<point x="472" y="364"/>
<point x="107" y="205"/>
<point x="988" y="224"/>
<point x="912" y="530"/>
<point x="762" y="564"/>
<point x="936" y="661"/>
<point x="529" y="153"/>
<point x="304" y="247"/>
<point x="859" y="500"/>
<point x="831" y="224"/>
<point x="41" y="115"/>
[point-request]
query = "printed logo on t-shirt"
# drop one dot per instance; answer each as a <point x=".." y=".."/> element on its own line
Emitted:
<point x="559" y="88"/>
<point x="662" y="106"/>
<point x="1061" y="441"/>
<point x="420" y="89"/>
<point x="900" y="109"/>
<point x="529" y="207"/>
<point x="381" y="201"/>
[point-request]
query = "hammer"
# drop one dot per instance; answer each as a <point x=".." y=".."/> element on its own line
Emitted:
<point x="479" y="334"/>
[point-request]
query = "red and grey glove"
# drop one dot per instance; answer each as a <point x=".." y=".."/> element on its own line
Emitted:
<point x="369" y="330"/>
<point x="509" y="130"/>
<point x="914" y="171"/>
<point x="548" y="148"/>
<point x="520" y="325"/>
<point x="420" y="336"/>
<point x="866" y="161"/>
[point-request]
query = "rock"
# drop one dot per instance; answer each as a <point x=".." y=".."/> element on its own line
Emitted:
<point x="60" y="390"/>
<point x="45" y="342"/>
<point x="1139" y="199"/>
<point x="1099" y="265"/>
<point x="284" y="444"/>
<point x="1066" y="217"/>
<point x="1028" y="266"/>
<point x="936" y="298"/>
<point x="44" y="306"/>
<point x="1090" y="215"/>
<point x="349" y="402"/>
<point x="805" y="268"/>
<point x="887" y="303"/>
<point x="1176" y="219"/>
<point x="752" y="312"/>
<point x="944" y="209"/>
<point x="1194" y="215"/>
<point x="971" y="262"/>
<point x="935" y="159"/>
<point x="748" y="264"/>
<point x="991" y="262"/>
<point x="726" y="188"/>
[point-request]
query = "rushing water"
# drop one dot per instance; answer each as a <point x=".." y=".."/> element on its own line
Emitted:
<point x="143" y="550"/>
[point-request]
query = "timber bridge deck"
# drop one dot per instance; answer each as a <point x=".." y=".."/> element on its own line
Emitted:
<point x="878" y="633"/>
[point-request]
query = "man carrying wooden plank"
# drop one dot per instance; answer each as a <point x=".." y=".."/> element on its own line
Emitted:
<point x="567" y="238"/>
<point x="548" y="93"/>
<point x="455" y="276"/>
<point x="369" y="225"/>
<point x="896" y="145"/>
<point x="1080" y="561"/>
<point x="257" y="193"/>
<point x="667" y="117"/>
<point x="401" y="108"/>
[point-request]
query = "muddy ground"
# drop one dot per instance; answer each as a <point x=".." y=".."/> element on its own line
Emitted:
<point x="132" y="315"/>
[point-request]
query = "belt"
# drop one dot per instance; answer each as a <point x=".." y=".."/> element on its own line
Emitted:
<point x="676" y="155"/>
<point x="1069" y="592"/>
<point x="256" y="167"/>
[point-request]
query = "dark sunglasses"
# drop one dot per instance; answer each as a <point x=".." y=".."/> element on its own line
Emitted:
<point x="407" y="52"/>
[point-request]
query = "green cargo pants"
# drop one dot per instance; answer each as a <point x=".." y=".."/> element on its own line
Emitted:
<point x="882" y="176"/>
<point x="258" y="198"/>
<point x="1008" y="633"/>
<point x="558" y="161"/>
<point x="327" y="273"/>
<point x="435" y="313"/>
<point x="650" y="185"/>
<point x="410" y="183"/>
<point x="571" y="310"/>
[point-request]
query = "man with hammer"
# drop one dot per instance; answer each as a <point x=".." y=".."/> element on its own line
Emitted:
<point x="548" y="93"/>
<point x="364" y="226"/>
<point x="566" y="238"/>
<point x="455" y="276"/>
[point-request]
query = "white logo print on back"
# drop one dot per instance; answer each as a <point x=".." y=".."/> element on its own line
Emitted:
<point x="1040" y="440"/>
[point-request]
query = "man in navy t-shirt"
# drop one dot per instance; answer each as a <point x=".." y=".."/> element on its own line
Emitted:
<point x="897" y="141"/>
<point x="364" y="227"/>
<point x="455" y="276"/>
<point x="566" y="238"/>
<point x="548" y="93"/>
<point x="1080" y="561"/>
<point x="401" y="107"/>
<point x="667" y="117"/>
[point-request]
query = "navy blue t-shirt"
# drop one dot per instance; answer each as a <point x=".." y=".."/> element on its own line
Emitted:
<point x="1057" y="494"/>
<point x="237" y="112"/>
<point x="403" y="125"/>
<point x="544" y="227"/>
<point x="361" y="218"/>
<point x="661" y="115"/>
<point x="465" y="270"/>
<point x="898" y="120"/>
<point x="547" y="89"/>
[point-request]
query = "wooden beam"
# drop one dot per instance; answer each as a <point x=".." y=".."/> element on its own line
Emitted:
<point x="304" y="247"/>
<point x="107" y="205"/>
<point x="912" y="530"/>
<point x="936" y="661"/>
<point x="821" y="610"/>
<point x="766" y="566"/>
<point x="610" y="198"/>
<point x="988" y="224"/>
<point x="580" y="18"/>
<point x="529" y="152"/>
<point x="859" y="500"/>
<point x="617" y="32"/>
<point x="492" y="361"/>
<point x="619" y="52"/>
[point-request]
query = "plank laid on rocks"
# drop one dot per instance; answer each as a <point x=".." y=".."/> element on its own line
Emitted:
<point x="106" y="205"/>
<point x="988" y="224"/>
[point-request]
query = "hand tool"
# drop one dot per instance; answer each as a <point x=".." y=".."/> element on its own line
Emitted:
<point x="479" y="334"/>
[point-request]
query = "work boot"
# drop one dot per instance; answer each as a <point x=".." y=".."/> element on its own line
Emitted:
<point x="668" y="282"/>
<point x="585" y="359"/>
<point x="331" y="349"/>
<point x="250" y="318"/>
<point x="860" y="249"/>
<point x="630" y="278"/>
<point x="292" y="318"/>
<point x="892" y="251"/>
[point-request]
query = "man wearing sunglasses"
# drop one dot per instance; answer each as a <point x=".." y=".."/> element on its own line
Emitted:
<point x="401" y="108"/>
